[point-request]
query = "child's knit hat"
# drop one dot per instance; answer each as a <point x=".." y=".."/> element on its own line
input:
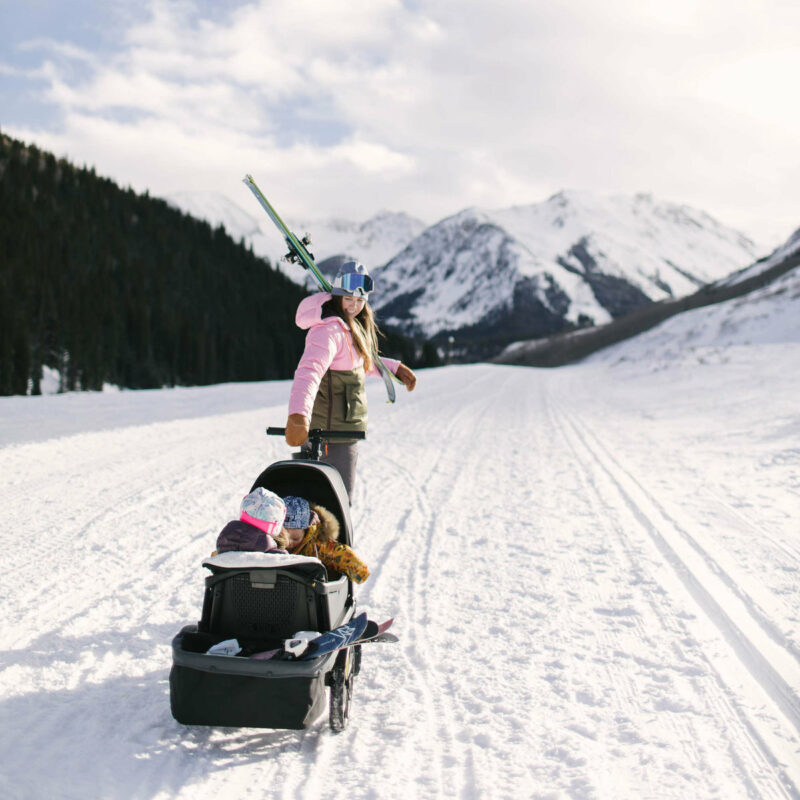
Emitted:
<point x="298" y="512"/>
<point x="264" y="509"/>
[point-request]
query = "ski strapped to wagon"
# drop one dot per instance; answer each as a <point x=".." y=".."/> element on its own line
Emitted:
<point x="299" y="253"/>
<point x="359" y="630"/>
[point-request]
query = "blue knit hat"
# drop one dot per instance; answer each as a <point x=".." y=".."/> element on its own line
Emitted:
<point x="298" y="512"/>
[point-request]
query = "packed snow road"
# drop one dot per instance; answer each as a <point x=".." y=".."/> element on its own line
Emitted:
<point x="594" y="573"/>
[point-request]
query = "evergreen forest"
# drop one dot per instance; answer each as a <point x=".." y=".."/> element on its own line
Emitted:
<point x="109" y="286"/>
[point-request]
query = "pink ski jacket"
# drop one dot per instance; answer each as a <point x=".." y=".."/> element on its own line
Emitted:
<point x="329" y="345"/>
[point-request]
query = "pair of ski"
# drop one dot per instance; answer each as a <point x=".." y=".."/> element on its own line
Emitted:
<point x="359" y="630"/>
<point x="299" y="253"/>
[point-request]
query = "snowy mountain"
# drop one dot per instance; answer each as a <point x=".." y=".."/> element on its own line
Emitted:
<point x="760" y="303"/>
<point x="769" y="315"/>
<point x="373" y="242"/>
<point x="789" y="249"/>
<point x="216" y="209"/>
<point x="575" y="259"/>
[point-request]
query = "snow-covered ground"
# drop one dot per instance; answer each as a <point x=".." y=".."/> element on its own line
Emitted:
<point x="766" y="316"/>
<point x="595" y="573"/>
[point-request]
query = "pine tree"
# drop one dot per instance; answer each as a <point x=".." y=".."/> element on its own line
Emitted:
<point x="108" y="286"/>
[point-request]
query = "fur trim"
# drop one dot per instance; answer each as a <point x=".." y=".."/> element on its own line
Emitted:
<point x="329" y="525"/>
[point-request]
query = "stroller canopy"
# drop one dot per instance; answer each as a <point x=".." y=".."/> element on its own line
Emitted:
<point x="317" y="482"/>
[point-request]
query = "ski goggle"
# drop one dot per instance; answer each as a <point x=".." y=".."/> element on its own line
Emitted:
<point x="355" y="283"/>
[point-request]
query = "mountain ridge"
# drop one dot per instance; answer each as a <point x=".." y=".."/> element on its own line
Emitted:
<point x="775" y="277"/>
<point x="575" y="259"/>
<point x="487" y="277"/>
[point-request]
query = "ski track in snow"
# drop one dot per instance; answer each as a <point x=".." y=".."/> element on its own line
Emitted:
<point x="667" y="537"/>
<point x="594" y="575"/>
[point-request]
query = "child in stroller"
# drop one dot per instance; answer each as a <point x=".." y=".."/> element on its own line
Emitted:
<point x="272" y="524"/>
<point x="311" y="530"/>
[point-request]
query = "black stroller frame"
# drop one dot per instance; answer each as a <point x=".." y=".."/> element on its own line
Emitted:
<point x="261" y="599"/>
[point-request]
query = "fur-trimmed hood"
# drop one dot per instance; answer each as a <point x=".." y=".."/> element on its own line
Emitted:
<point x="321" y="541"/>
<point x="326" y="531"/>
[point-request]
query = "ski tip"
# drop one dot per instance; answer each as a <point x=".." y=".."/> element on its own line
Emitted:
<point x="384" y="626"/>
<point x="248" y="178"/>
<point x="385" y="623"/>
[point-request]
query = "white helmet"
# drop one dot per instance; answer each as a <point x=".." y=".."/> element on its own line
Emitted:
<point x="352" y="279"/>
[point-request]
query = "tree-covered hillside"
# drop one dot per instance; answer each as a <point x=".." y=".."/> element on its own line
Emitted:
<point x="106" y="285"/>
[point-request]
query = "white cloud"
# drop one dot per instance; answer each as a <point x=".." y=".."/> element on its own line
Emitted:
<point x="64" y="49"/>
<point x="760" y="85"/>
<point x="436" y="106"/>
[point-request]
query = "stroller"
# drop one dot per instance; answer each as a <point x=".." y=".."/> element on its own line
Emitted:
<point x="261" y="599"/>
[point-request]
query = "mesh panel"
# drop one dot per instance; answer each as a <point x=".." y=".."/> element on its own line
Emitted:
<point x="265" y="611"/>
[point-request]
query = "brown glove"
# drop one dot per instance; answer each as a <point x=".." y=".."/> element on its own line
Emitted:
<point x="296" y="430"/>
<point x="407" y="376"/>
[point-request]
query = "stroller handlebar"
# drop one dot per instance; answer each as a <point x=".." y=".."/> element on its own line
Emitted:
<point x="319" y="433"/>
<point x="316" y="437"/>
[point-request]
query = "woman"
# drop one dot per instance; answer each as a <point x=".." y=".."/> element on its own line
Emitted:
<point x="328" y="391"/>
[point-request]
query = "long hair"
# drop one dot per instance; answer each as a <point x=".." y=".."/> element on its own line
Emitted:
<point x="363" y="327"/>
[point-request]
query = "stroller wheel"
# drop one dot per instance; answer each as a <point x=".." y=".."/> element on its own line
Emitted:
<point x="342" y="678"/>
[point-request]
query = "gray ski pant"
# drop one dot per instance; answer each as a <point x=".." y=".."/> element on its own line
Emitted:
<point x="343" y="456"/>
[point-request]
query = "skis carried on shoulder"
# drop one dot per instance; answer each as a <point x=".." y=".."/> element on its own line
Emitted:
<point x="300" y="254"/>
<point x="298" y="248"/>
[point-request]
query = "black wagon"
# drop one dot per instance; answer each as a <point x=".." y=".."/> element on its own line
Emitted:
<point x="260" y="599"/>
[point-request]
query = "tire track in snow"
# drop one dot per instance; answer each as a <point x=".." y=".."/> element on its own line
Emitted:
<point x="418" y="574"/>
<point x="408" y="682"/>
<point x="406" y="561"/>
<point x="452" y="650"/>
<point x="401" y="562"/>
<point x="715" y="590"/>
<point x="720" y="563"/>
<point x="630" y="678"/>
<point x="755" y="596"/>
<point x="749" y="644"/>
<point x="747" y="596"/>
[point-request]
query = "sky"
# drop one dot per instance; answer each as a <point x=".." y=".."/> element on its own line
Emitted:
<point x="343" y="108"/>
